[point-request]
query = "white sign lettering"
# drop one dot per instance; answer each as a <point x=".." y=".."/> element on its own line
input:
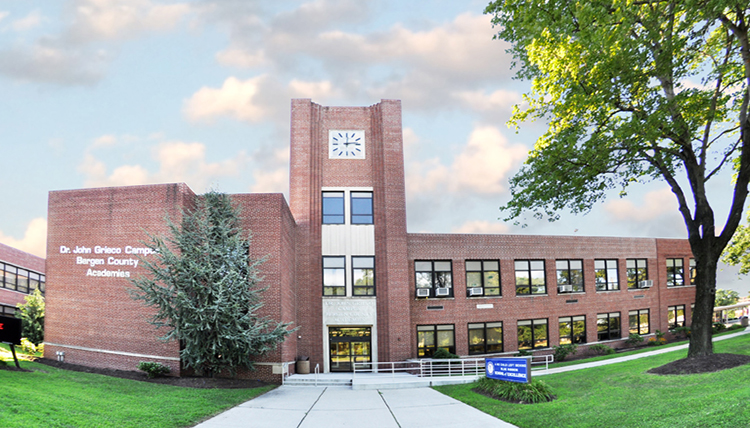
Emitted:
<point x="109" y="256"/>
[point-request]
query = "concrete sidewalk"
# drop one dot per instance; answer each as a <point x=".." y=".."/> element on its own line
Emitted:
<point x="629" y="357"/>
<point x="319" y="407"/>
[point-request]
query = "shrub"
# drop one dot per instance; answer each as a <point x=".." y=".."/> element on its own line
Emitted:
<point x="153" y="369"/>
<point x="634" y="339"/>
<point x="659" y="334"/>
<point x="562" y="351"/>
<point x="683" y="332"/>
<point x="601" y="349"/>
<point x="656" y="341"/>
<point x="524" y="353"/>
<point x="735" y="327"/>
<point x="718" y="327"/>
<point x="442" y="354"/>
<point x="534" y="392"/>
<point x="27" y="347"/>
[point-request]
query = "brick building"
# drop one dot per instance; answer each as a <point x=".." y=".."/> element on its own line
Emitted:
<point x="20" y="274"/>
<point x="342" y="267"/>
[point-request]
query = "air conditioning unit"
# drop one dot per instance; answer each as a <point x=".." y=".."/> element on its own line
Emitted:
<point x="423" y="292"/>
<point x="646" y="284"/>
<point x="567" y="288"/>
<point x="475" y="291"/>
<point x="445" y="291"/>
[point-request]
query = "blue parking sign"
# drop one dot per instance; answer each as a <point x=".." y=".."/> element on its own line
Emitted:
<point x="509" y="369"/>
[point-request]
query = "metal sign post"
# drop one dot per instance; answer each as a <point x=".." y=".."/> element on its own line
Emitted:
<point x="509" y="369"/>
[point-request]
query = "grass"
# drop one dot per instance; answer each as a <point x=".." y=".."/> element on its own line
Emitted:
<point x="50" y="397"/>
<point x="624" y="395"/>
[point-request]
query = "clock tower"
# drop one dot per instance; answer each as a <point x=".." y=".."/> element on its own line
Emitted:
<point x="347" y="195"/>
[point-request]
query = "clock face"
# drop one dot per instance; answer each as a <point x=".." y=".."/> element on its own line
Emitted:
<point x="346" y="144"/>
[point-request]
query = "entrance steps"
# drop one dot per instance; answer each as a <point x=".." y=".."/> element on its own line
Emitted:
<point x="374" y="380"/>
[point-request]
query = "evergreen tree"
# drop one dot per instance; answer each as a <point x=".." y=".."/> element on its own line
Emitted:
<point x="206" y="289"/>
<point x="32" y="317"/>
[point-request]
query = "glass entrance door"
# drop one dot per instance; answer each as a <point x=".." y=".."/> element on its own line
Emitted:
<point x="349" y="345"/>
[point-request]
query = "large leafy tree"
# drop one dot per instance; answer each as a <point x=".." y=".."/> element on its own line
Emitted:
<point x="633" y="91"/>
<point x="206" y="290"/>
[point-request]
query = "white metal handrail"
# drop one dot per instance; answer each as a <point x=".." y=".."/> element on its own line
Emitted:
<point x="545" y="359"/>
<point x="425" y="367"/>
<point x="317" y="372"/>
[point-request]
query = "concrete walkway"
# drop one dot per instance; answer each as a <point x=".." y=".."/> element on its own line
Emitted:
<point x="630" y="357"/>
<point x="328" y="407"/>
<point x="319" y="407"/>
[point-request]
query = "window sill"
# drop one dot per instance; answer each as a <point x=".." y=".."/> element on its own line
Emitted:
<point x="608" y="291"/>
<point x="434" y="298"/>
<point x="532" y="295"/>
<point x="483" y="297"/>
<point x="571" y="293"/>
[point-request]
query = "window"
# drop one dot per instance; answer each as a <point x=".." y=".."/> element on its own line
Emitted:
<point x="637" y="270"/>
<point x="485" y="338"/>
<point x="639" y="321"/>
<point x="532" y="334"/>
<point x="361" y="207"/>
<point x="676" y="316"/>
<point x="607" y="277"/>
<point x="20" y="279"/>
<point x="675" y="276"/>
<point x="434" y="278"/>
<point x="608" y="326"/>
<point x="432" y="337"/>
<point x="572" y="329"/>
<point x="333" y="207"/>
<point x="363" y="276"/>
<point x="8" y="311"/>
<point x="569" y="276"/>
<point x="334" y="276"/>
<point x="530" y="278"/>
<point x="692" y="271"/>
<point x="482" y="278"/>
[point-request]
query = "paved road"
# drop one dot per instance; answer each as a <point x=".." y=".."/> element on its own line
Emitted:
<point x="318" y="407"/>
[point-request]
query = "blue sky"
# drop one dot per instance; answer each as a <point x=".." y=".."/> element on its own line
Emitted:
<point x="121" y="92"/>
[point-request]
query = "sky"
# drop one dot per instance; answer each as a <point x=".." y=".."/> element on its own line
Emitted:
<point x="126" y="92"/>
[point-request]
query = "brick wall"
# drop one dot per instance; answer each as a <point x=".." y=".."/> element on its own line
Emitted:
<point x="461" y="310"/>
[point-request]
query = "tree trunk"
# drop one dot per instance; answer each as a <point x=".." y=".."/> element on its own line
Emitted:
<point x="705" y="292"/>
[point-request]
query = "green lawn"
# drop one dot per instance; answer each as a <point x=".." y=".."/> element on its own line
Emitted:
<point x="624" y="395"/>
<point x="50" y="397"/>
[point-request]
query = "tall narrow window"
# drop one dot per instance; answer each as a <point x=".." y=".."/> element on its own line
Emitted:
<point x="569" y="276"/>
<point x="639" y="321"/>
<point x="483" y="278"/>
<point x="485" y="338"/>
<point x="607" y="277"/>
<point x="676" y="316"/>
<point x="608" y="326"/>
<point x="361" y="207"/>
<point x="432" y="337"/>
<point x="637" y="272"/>
<point x="363" y="276"/>
<point x="334" y="276"/>
<point x="572" y="329"/>
<point x="675" y="273"/>
<point x="530" y="278"/>
<point x="532" y="334"/>
<point x="433" y="278"/>
<point x="333" y="207"/>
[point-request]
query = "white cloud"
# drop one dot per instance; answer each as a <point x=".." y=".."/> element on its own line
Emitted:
<point x="480" y="168"/>
<point x="3" y="14"/>
<point x="655" y="204"/>
<point x="252" y="100"/>
<point x="32" y="20"/>
<point x="275" y="181"/>
<point x="235" y="98"/>
<point x="480" y="101"/>
<point x="482" y="227"/>
<point x="177" y="162"/>
<point x="47" y="62"/>
<point x="34" y="240"/>
<point x="122" y="19"/>
<point x="236" y="57"/>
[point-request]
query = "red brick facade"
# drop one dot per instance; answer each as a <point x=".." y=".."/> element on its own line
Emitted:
<point x="94" y="322"/>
